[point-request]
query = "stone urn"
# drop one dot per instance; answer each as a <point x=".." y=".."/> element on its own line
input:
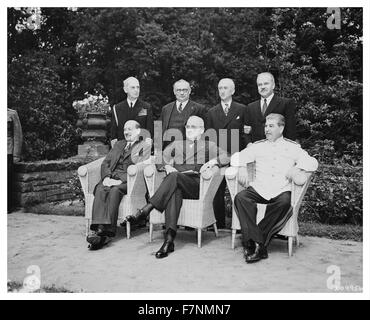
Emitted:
<point x="94" y="133"/>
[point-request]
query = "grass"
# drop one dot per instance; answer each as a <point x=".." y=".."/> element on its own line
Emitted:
<point x="65" y="208"/>
<point x="314" y="229"/>
<point x="15" y="287"/>
<point x="335" y="232"/>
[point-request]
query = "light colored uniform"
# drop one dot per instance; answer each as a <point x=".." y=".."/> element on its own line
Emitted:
<point x="273" y="162"/>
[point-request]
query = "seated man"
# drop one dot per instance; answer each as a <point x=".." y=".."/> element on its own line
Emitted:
<point x="277" y="158"/>
<point x="184" y="161"/>
<point x="113" y="184"/>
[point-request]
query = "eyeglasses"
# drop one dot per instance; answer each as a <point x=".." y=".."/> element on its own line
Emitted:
<point x="192" y="127"/>
<point x="182" y="90"/>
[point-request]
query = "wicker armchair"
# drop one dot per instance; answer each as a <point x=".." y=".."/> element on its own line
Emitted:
<point x="291" y="228"/>
<point x="197" y="213"/>
<point x="89" y="175"/>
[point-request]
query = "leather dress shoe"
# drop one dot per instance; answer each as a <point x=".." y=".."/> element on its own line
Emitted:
<point x="136" y="218"/>
<point x="103" y="232"/>
<point x="259" y="253"/>
<point x="141" y="214"/>
<point x="167" y="247"/>
<point x="96" y="241"/>
<point x="250" y="248"/>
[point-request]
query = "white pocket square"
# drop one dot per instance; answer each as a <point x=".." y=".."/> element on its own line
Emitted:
<point x="143" y="112"/>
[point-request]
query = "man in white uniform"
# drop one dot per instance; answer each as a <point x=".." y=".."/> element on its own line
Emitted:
<point x="277" y="158"/>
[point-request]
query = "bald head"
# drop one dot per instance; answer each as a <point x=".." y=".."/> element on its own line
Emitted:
<point x="226" y="89"/>
<point x="265" y="84"/>
<point x="131" y="86"/>
<point x="194" y="128"/>
<point x="196" y="121"/>
<point x="131" y="130"/>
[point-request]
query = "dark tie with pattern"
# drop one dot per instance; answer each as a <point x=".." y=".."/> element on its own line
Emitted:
<point x="227" y="108"/>
<point x="180" y="107"/>
<point x="131" y="105"/>
<point x="264" y="107"/>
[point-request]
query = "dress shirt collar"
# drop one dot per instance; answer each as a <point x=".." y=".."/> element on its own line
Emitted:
<point x="131" y="101"/>
<point x="228" y="104"/>
<point x="268" y="100"/>
<point x="183" y="104"/>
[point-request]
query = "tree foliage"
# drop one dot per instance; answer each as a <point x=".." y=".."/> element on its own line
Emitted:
<point x="96" y="48"/>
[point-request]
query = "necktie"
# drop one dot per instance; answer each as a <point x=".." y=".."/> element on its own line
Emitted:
<point x="180" y="107"/>
<point x="128" y="146"/>
<point x="264" y="107"/>
<point x="131" y="105"/>
<point x="227" y="108"/>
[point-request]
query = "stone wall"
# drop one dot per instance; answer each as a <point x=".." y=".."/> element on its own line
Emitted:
<point x="44" y="181"/>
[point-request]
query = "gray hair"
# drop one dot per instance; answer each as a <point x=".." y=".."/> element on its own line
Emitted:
<point x="267" y="74"/>
<point x="137" y="124"/>
<point x="127" y="81"/>
<point x="230" y="80"/>
<point x="181" y="81"/>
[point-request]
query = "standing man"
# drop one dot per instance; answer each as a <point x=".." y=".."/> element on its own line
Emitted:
<point x="175" y="114"/>
<point x="277" y="160"/>
<point x="15" y="141"/>
<point x="225" y="117"/>
<point x="113" y="185"/>
<point x="270" y="103"/>
<point x="184" y="161"/>
<point x="132" y="108"/>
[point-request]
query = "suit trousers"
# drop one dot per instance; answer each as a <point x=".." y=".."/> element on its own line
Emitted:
<point x="175" y="187"/>
<point x="278" y="211"/>
<point x="105" y="207"/>
<point x="219" y="204"/>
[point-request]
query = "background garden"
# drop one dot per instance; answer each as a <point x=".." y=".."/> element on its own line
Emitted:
<point x="78" y="50"/>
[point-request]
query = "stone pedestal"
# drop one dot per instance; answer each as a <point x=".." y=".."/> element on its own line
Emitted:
<point x="94" y="132"/>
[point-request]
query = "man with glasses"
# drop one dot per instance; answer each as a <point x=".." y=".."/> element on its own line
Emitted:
<point x="175" y="114"/>
<point x="183" y="162"/>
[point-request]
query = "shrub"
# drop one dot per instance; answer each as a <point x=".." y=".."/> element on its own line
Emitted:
<point x="334" y="196"/>
<point x="48" y="120"/>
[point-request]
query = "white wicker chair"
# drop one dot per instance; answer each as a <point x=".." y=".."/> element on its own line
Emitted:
<point x="291" y="228"/>
<point x="197" y="213"/>
<point x="89" y="175"/>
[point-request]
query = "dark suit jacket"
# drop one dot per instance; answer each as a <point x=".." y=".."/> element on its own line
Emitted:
<point x="182" y="157"/>
<point x="283" y="106"/>
<point x="142" y="113"/>
<point x="191" y="109"/>
<point x="138" y="152"/>
<point x="236" y="119"/>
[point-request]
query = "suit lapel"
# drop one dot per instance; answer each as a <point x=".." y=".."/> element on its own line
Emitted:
<point x="137" y="108"/>
<point x="220" y="114"/>
<point x="231" y="114"/>
<point x="273" y="103"/>
<point x="128" y="152"/>
<point x="188" y="111"/>
<point x="257" y="107"/>
<point x="167" y="116"/>
<point x="125" y="111"/>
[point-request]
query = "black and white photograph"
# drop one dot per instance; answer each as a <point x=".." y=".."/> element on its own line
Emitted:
<point x="186" y="151"/>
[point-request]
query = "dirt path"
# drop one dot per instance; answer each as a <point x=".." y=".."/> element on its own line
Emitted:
<point x="56" y="244"/>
